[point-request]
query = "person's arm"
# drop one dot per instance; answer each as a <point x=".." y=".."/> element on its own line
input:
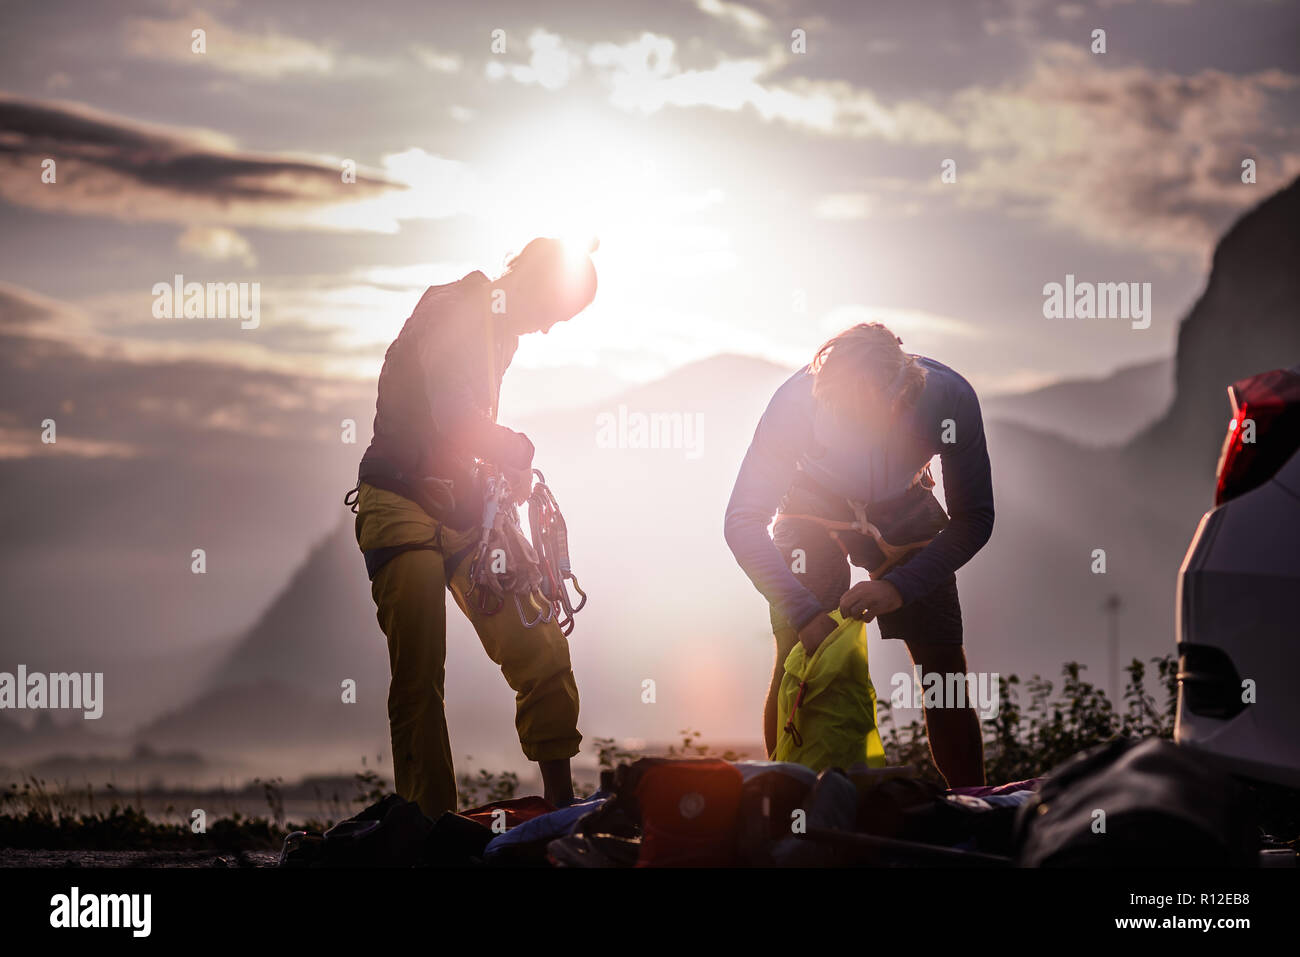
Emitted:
<point x="464" y="424"/>
<point x="765" y="476"/>
<point x="459" y="409"/>
<point x="968" y="491"/>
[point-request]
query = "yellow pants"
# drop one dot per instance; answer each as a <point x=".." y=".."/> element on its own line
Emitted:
<point x="412" y="611"/>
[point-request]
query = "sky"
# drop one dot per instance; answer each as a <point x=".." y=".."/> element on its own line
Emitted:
<point x="759" y="174"/>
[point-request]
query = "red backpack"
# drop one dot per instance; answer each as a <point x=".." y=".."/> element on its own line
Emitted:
<point x="689" y="813"/>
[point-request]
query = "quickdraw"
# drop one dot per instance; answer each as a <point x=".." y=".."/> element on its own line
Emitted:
<point x="551" y="543"/>
<point x="506" y="562"/>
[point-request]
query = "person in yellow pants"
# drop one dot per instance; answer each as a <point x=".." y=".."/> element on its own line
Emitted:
<point x="419" y="504"/>
<point x="412" y="611"/>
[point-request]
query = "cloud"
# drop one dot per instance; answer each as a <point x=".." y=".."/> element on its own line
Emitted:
<point x="913" y="324"/>
<point x="751" y="22"/>
<point x="137" y="396"/>
<point x="1014" y="17"/>
<point x="644" y="76"/>
<point x="216" y="244"/>
<point x="265" y="55"/>
<point x="1125" y="155"/>
<point x="25" y="312"/>
<point x="436" y="61"/>
<point x="550" y="66"/>
<point x="26" y="443"/>
<point x="334" y="324"/>
<point x="844" y="206"/>
<point x="107" y="165"/>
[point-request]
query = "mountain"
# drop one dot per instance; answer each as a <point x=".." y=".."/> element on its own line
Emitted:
<point x="282" y="682"/>
<point x="1106" y="410"/>
<point x="152" y="460"/>
<point x="643" y="523"/>
<point x="287" y="639"/>
<point x="1246" y="321"/>
<point x="669" y="605"/>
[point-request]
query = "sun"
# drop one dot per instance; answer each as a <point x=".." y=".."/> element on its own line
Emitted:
<point x="574" y="177"/>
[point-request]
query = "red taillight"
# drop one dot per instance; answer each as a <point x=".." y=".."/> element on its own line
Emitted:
<point x="1263" y="434"/>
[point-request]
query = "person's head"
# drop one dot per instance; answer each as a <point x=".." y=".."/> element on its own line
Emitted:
<point x="864" y="375"/>
<point x="547" y="282"/>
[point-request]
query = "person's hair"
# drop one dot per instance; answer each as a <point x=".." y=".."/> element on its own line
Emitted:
<point x="865" y="366"/>
<point x="553" y="270"/>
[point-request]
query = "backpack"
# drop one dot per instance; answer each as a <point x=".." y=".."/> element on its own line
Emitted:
<point x="392" y="833"/>
<point x="832" y="806"/>
<point x="826" y="705"/>
<point x="771" y="793"/>
<point x="1163" y="806"/>
<point x="688" y="811"/>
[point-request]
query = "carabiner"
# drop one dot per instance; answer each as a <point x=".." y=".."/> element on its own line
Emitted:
<point x="574" y="609"/>
<point x="543" y="616"/>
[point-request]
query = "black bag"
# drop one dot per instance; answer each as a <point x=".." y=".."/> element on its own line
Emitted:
<point x="391" y="833"/>
<point x="897" y="808"/>
<point x="832" y="805"/>
<point x="768" y="799"/>
<point x="1161" y="805"/>
<point x="609" y="836"/>
<point x="456" y="841"/>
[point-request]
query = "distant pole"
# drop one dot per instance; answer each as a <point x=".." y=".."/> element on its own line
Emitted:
<point x="1112" y="605"/>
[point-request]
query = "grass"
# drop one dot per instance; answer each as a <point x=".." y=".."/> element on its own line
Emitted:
<point x="1026" y="739"/>
<point x="36" y="815"/>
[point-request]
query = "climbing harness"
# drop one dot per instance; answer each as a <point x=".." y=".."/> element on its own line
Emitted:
<point x="893" y="554"/>
<point x="506" y="562"/>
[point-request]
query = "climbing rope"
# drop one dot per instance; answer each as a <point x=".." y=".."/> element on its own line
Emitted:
<point x="532" y="573"/>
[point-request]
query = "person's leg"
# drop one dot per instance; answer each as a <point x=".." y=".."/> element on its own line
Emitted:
<point x="535" y="663"/>
<point x="956" y="740"/>
<point x="785" y="639"/>
<point x="557" y="781"/>
<point x="822" y="567"/>
<point x="412" y="611"/>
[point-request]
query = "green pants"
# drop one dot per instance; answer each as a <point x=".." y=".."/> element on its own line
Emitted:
<point x="412" y="611"/>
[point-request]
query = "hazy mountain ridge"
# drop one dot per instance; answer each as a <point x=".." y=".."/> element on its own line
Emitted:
<point x="668" y="602"/>
<point x="1105" y="410"/>
<point x="1030" y="598"/>
<point x="1246" y="321"/>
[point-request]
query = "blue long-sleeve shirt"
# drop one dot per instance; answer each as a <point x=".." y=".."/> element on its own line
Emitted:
<point x="797" y="432"/>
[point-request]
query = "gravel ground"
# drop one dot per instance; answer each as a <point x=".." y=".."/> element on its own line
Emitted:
<point x="96" y="859"/>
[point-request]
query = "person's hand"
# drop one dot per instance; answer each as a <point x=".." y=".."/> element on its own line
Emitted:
<point x="868" y="599"/>
<point x="816" y="631"/>
<point x="520" y="482"/>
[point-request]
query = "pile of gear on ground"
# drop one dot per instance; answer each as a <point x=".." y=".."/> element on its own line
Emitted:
<point x="1159" y="806"/>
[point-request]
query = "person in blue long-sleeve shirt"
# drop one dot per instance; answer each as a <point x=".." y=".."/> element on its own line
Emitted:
<point x="841" y="458"/>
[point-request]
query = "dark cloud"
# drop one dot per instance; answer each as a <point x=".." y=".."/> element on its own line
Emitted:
<point x="109" y="165"/>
